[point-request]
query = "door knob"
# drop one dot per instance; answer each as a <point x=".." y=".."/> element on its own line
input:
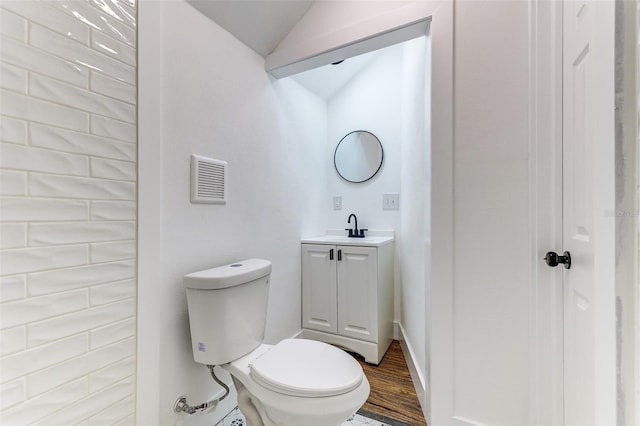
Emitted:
<point x="553" y="259"/>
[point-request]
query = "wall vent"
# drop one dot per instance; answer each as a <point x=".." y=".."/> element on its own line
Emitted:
<point x="208" y="180"/>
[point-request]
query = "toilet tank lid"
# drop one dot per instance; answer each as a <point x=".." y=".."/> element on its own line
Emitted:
<point x="229" y="275"/>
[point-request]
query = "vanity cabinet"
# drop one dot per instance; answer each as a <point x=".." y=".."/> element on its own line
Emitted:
<point x="347" y="295"/>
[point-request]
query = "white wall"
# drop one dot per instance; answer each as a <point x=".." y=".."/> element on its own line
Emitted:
<point x="217" y="101"/>
<point x="415" y="232"/>
<point x="490" y="317"/>
<point x="68" y="212"/>
<point x="371" y="101"/>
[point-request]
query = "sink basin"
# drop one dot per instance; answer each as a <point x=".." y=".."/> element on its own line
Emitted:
<point x="369" y="240"/>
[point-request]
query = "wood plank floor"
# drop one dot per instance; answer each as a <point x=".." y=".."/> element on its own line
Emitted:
<point x="392" y="392"/>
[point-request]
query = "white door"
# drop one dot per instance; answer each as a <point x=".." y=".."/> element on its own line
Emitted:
<point x="588" y="188"/>
<point x="319" y="292"/>
<point x="358" y="292"/>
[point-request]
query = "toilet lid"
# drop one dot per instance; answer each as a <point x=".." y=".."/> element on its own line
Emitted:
<point x="307" y="368"/>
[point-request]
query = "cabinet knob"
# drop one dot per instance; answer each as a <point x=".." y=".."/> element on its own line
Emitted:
<point x="331" y="254"/>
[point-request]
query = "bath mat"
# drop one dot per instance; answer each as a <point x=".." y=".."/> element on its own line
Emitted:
<point x="361" y="418"/>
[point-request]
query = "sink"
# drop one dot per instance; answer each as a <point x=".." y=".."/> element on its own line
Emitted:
<point x="376" y="239"/>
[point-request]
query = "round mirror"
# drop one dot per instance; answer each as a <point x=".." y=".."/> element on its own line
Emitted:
<point x="358" y="156"/>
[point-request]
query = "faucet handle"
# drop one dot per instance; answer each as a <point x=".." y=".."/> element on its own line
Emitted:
<point x="350" y="231"/>
<point x="362" y="232"/>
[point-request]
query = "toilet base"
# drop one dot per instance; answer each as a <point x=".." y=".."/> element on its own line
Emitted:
<point x="257" y="414"/>
<point x="253" y="412"/>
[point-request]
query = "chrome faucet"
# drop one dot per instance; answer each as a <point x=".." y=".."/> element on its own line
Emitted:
<point x="355" y="232"/>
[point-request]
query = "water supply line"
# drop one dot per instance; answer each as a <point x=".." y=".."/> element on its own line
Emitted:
<point x="181" y="404"/>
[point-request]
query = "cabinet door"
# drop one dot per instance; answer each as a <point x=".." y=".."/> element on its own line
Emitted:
<point x="319" y="292"/>
<point x="358" y="292"/>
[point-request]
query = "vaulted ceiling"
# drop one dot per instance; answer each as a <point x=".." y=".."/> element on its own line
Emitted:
<point x="260" y="24"/>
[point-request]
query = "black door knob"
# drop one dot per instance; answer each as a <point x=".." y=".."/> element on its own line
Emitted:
<point x="553" y="259"/>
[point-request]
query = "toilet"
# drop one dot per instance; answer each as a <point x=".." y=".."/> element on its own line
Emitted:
<point x="296" y="382"/>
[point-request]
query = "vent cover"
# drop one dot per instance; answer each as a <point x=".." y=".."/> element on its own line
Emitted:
<point x="208" y="180"/>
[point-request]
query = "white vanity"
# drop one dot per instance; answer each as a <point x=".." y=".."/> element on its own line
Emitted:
<point x="347" y="292"/>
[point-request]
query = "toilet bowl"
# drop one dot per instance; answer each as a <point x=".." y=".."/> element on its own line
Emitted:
<point x="298" y="382"/>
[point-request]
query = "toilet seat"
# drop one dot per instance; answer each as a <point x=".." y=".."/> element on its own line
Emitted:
<point x="306" y="368"/>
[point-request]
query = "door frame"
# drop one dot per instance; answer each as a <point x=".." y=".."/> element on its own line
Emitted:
<point x="604" y="202"/>
<point x="545" y="139"/>
<point x="627" y="283"/>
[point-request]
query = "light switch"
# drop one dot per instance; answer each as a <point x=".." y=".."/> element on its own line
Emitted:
<point x="390" y="201"/>
<point x="337" y="203"/>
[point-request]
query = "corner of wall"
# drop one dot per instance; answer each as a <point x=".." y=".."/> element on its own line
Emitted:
<point x="150" y="18"/>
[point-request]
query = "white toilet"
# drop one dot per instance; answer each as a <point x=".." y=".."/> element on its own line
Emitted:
<point x="294" y="383"/>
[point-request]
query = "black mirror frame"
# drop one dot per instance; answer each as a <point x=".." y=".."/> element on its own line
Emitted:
<point x="335" y="166"/>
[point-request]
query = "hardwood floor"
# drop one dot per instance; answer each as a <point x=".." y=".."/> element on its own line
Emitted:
<point x="392" y="392"/>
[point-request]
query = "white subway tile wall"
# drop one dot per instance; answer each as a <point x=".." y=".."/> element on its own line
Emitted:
<point x="68" y="171"/>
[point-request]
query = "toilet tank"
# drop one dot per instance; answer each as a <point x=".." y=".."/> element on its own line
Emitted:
<point x="227" y="310"/>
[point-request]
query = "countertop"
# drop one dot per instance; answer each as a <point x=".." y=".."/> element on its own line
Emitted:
<point x="374" y="238"/>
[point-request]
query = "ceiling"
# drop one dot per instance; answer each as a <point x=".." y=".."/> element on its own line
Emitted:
<point x="260" y="24"/>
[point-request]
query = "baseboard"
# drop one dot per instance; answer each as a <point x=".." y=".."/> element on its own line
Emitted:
<point x="416" y="377"/>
